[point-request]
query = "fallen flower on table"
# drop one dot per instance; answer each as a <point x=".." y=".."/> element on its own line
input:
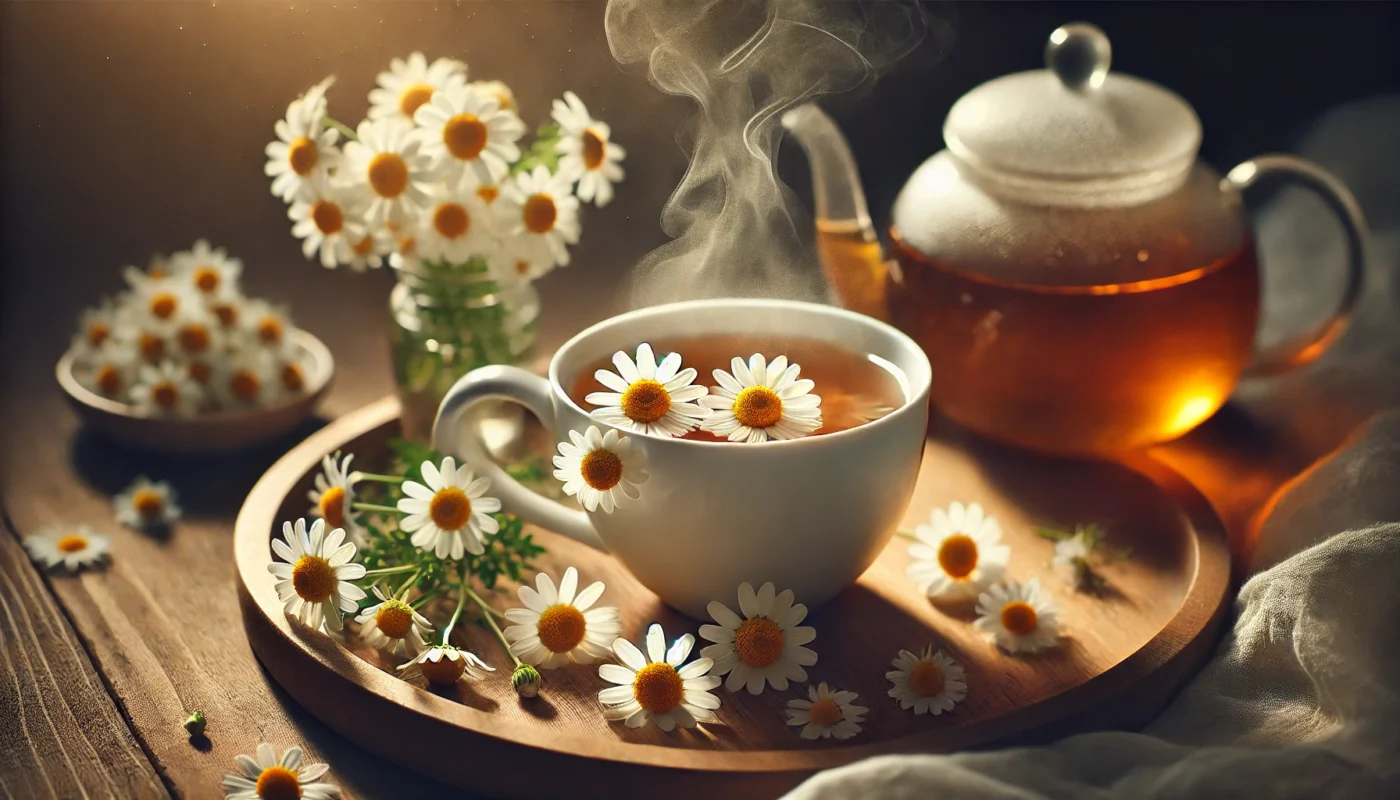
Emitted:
<point x="656" y="686"/>
<point x="266" y="777"/>
<point x="931" y="683"/>
<point x="763" y="647"/>
<point x="393" y="625"/>
<point x="69" y="546"/>
<point x="443" y="665"/>
<point x="334" y="495"/>
<point x="1081" y="554"/>
<point x="959" y="553"/>
<point x="559" y="626"/>
<point x="826" y="713"/>
<point x="313" y="577"/>
<point x="1017" y="617"/>
<point x="147" y="505"/>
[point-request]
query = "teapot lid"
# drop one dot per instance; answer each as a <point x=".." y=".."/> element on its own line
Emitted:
<point x="1075" y="125"/>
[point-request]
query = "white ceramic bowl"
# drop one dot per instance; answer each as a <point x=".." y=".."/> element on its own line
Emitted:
<point x="216" y="432"/>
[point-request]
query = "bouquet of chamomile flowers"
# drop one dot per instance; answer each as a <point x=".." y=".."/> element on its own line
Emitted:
<point x="183" y="340"/>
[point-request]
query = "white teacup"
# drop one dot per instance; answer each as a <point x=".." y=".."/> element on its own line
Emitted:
<point x="807" y="514"/>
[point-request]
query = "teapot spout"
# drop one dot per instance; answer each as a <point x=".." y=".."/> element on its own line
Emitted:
<point x="847" y="244"/>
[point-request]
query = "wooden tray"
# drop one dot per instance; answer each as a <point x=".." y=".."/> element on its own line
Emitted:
<point x="1126" y="653"/>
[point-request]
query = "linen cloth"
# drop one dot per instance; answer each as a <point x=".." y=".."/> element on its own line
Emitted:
<point x="1302" y="699"/>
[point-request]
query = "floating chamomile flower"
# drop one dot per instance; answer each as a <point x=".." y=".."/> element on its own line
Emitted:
<point x="765" y="646"/>
<point x="451" y="515"/>
<point x="826" y="713"/>
<point x="393" y="625"/>
<point x="408" y="85"/>
<point x="761" y="401"/>
<point x="959" y="554"/>
<point x="266" y="777"/>
<point x="305" y="149"/>
<point x="539" y="210"/>
<point x="314" y="574"/>
<point x="587" y="154"/>
<point x="329" y="220"/>
<point x="647" y="397"/>
<point x="455" y="226"/>
<point x="209" y="270"/>
<point x="464" y="129"/>
<point x="1019" y="618"/>
<point x="334" y="493"/>
<point x="444" y="665"/>
<point x="930" y="683"/>
<point x="556" y="627"/>
<point x="386" y="167"/>
<point x="147" y="504"/>
<point x="165" y="390"/>
<point x="70" y="546"/>
<point x="602" y="469"/>
<point x="109" y="370"/>
<point x="656" y="687"/>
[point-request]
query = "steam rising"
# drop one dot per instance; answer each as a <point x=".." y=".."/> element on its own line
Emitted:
<point x="737" y="230"/>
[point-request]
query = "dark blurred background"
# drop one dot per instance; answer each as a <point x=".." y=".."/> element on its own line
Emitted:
<point x="133" y="127"/>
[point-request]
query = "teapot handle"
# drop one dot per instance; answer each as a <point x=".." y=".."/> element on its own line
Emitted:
<point x="1306" y="348"/>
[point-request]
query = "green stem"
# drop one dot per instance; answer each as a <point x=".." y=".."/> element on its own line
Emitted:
<point x="374" y="507"/>
<point x="461" y="603"/>
<point x="389" y="570"/>
<point x="370" y="476"/>
<point x="907" y="535"/>
<point x="345" y="130"/>
<point x="487" y="615"/>
<point x="422" y="601"/>
<point x="408" y="584"/>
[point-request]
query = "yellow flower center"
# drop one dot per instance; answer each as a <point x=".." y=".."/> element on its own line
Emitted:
<point x="363" y="247"/>
<point x="561" y="628"/>
<point x="451" y="220"/>
<point x="488" y="193"/>
<point x="148" y="503"/>
<point x="594" y="148"/>
<point x="165" y="395"/>
<point x="97" y="333"/>
<point x="302" y="155"/>
<point x="539" y="213"/>
<point x="646" y="401"/>
<point x="207" y="279"/>
<point x="152" y="347"/>
<point x="245" y="386"/>
<point x="200" y="371"/>
<point x="414" y="96"/>
<point x="292" y="378"/>
<point x="450" y="508"/>
<point x="758" y="407"/>
<point x="73" y="543"/>
<point x="443" y="672"/>
<point x="328" y="217"/>
<point x="278" y="783"/>
<point x="758" y="641"/>
<point x="658" y="687"/>
<point x="332" y="505"/>
<point x="270" y="330"/>
<point x="394" y="619"/>
<point x="826" y="713"/>
<point x="227" y="314"/>
<point x="958" y="556"/>
<point x="601" y="469"/>
<point x="1019" y="618"/>
<point x="163" y="305"/>
<point x="522" y="267"/>
<point x="388" y="174"/>
<point x="194" y="337"/>
<point x="926" y="679"/>
<point x="109" y="380"/>
<point x="465" y="136"/>
<point x="314" y="579"/>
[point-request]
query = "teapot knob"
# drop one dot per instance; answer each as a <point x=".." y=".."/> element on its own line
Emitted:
<point x="1079" y="54"/>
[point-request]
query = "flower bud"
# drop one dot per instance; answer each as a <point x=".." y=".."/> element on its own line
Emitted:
<point x="526" y="680"/>
<point x="195" y="723"/>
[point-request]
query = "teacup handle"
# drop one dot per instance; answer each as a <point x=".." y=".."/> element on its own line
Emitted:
<point x="500" y="382"/>
<point x="1307" y="347"/>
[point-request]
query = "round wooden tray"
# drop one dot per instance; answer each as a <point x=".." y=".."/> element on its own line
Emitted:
<point x="1126" y="652"/>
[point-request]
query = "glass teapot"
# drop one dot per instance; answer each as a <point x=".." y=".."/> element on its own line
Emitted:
<point x="1080" y="282"/>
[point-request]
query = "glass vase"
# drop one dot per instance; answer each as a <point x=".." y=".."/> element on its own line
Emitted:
<point x="449" y="319"/>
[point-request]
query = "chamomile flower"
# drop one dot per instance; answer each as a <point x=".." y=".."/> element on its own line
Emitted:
<point x="305" y="150"/>
<point x="763" y="647"/>
<point x="197" y="336"/>
<point x="314" y="574"/>
<point x="266" y="777"/>
<point x="1017" y="617"/>
<point x="393" y="625"/>
<point x="334" y="494"/>
<point x="109" y="370"/>
<point x="370" y="250"/>
<point x="328" y="219"/>
<point x="209" y="270"/>
<point x="959" y="554"/>
<point x="96" y="327"/>
<point x="71" y="547"/>
<point x="656" y="686"/>
<point x="759" y="401"/>
<point x="498" y="90"/>
<point x="246" y="380"/>
<point x="647" y="397"/>
<point x="455" y="226"/>
<point x="931" y="683"/>
<point x="387" y="169"/>
<point x="602" y="469"/>
<point x="558" y="626"/>
<point x="444" y="665"/>
<point x="147" y="504"/>
<point x="157" y="298"/>
<point x="292" y="369"/>
<point x="409" y="84"/>
<point x="1071" y="549"/>
<point x="451" y="515"/>
<point x="229" y="309"/>
<point x="152" y="338"/>
<point x="464" y="129"/>
<point x="166" y="390"/>
<point x="826" y="713"/>
<point x="266" y="323"/>
<point x="538" y="208"/>
<point x="511" y="261"/>
<point x="587" y="154"/>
